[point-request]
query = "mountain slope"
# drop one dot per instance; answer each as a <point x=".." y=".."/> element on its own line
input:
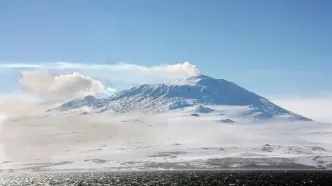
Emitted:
<point x="201" y="92"/>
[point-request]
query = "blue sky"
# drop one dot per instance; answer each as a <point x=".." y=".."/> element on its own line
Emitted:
<point x="274" y="48"/>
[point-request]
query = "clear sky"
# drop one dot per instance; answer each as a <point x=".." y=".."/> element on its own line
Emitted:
<point x="274" y="48"/>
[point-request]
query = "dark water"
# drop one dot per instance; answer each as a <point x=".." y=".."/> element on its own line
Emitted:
<point x="243" y="178"/>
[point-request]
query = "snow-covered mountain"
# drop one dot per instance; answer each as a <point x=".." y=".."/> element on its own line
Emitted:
<point x="197" y="95"/>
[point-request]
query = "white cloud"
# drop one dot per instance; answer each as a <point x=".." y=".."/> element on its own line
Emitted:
<point x="118" y="76"/>
<point x="180" y="69"/>
<point x="42" y="84"/>
<point x="318" y="109"/>
<point x="185" y="68"/>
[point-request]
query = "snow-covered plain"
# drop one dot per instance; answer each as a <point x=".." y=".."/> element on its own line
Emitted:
<point x="170" y="140"/>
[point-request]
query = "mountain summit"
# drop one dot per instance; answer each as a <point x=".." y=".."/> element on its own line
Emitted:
<point x="201" y="93"/>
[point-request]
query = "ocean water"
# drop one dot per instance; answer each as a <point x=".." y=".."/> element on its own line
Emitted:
<point x="242" y="178"/>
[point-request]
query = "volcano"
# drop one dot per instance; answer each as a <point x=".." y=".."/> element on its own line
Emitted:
<point x="198" y="94"/>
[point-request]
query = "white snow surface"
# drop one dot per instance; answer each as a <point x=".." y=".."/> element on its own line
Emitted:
<point x="172" y="140"/>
